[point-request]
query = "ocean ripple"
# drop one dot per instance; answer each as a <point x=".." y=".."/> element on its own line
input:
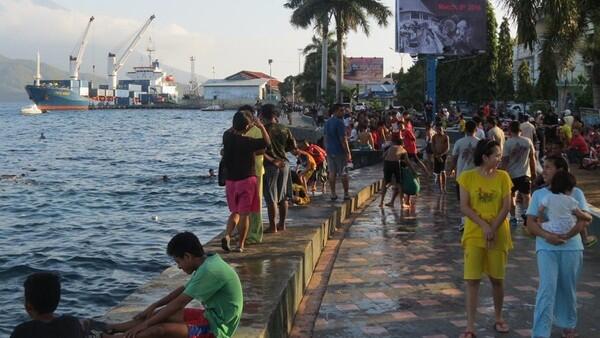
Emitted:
<point x="94" y="205"/>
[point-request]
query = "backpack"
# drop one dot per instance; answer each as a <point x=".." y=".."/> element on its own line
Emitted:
<point x="410" y="183"/>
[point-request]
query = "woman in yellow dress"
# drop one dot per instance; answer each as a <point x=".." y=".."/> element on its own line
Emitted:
<point x="485" y="202"/>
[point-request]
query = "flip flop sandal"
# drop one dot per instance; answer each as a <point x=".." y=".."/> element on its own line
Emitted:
<point x="225" y="244"/>
<point x="503" y="327"/>
<point x="468" y="334"/>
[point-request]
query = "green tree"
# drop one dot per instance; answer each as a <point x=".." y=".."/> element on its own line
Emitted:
<point x="308" y="81"/>
<point x="285" y="88"/>
<point x="545" y="87"/>
<point x="506" y="89"/>
<point x="567" y="24"/>
<point x="524" y="85"/>
<point x="318" y="14"/>
<point x="351" y="15"/>
<point x="410" y="85"/>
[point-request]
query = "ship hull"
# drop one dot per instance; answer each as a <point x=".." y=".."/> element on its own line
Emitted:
<point x="49" y="98"/>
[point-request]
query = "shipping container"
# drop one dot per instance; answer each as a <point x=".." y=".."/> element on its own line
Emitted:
<point x="84" y="91"/>
<point x="110" y="92"/>
<point x="145" y="99"/>
<point x="103" y="86"/>
<point x="93" y="92"/>
<point x="101" y="92"/>
<point x="122" y="93"/>
<point x="135" y="87"/>
<point x="122" y="101"/>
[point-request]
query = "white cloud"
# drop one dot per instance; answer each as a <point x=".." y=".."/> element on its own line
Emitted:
<point x="29" y="25"/>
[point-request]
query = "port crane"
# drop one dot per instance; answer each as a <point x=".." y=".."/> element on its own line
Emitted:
<point x="75" y="61"/>
<point x="115" y="65"/>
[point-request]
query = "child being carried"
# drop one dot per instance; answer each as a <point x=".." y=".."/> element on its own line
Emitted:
<point x="562" y="210"/>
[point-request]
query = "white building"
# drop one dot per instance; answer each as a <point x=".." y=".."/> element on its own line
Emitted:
<point x="567" y="77"/>
<point x="236" y="90"/>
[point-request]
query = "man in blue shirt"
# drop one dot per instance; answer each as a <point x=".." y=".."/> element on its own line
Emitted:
<point x="338" y="151"/>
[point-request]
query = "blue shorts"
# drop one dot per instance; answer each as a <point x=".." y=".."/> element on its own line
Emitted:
<point x="198" y="326"/>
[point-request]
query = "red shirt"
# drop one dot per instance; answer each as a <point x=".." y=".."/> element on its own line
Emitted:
<point x="317" y="153"/>
<point x="375" y="135"/>
<point x="410" y="141"/>
<point x="578" y="143"/>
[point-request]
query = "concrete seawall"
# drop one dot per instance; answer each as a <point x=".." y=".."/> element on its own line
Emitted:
<point x="275" y="273"/>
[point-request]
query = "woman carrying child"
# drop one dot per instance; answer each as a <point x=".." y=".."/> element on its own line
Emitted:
<point x="559" y="249"/>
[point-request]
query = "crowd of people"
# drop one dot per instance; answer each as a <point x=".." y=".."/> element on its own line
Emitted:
<point x="500" y="169"/>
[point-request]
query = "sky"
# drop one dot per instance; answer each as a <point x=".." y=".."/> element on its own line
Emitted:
<point x="224" y="35"/>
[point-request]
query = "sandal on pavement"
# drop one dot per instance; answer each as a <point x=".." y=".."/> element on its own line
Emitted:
<point x="569" y="333"/>
<point x="501" y="327"/>
<point x="225" y="244"/>
<point x="468" y="334"/>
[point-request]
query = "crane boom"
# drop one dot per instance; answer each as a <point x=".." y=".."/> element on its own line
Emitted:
<point x="114" y="66"/>
<point x="75" y="61"/>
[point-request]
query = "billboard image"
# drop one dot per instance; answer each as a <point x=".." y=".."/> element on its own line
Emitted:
<point x="364" y="69"/>
<point x="444" y="27"/>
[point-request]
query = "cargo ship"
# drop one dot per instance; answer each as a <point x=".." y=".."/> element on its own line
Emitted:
<point x="56" y="95"/>
<point x="147" y="84"/>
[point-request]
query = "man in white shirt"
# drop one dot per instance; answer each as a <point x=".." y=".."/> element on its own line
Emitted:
<point x="527" y="129"/>
<point x="518" y="158"/>
<point x="462" y="156"/>
<point x="479" y="132"/>
<point x="495" y="133"/>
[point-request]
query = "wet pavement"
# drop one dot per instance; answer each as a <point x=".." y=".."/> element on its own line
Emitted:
<point x="399" y="274"/>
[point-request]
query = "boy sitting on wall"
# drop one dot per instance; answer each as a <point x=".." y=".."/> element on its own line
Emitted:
<point x="214" y="283"/>
<point x="42" y="295"/>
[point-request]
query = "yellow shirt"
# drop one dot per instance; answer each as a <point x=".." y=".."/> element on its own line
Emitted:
<point x="567" y="132"/>
<point x="485" y="196"/>
<point x="461" y="126"/>
<point x="255" y="132"/>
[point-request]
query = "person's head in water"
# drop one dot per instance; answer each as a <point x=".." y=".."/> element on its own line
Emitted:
<point x="211" y="172"/>
<point x="42" y="294"/>
<point x="165" y="178"/>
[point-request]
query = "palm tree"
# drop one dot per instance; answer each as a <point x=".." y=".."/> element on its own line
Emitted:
<point x="314" y="12"/>
<point x="349" y="15"/>
<point x="352" y="15"/>
<point x="567" y="25"/>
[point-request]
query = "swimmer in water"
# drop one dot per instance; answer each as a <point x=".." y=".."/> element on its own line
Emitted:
<point x="165" y="178"/>
<point x="211" y="173"/>
<point x="42" y="137"/>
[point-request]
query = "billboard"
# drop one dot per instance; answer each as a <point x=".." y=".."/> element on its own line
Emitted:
<point x="443" y="27"/>
<point x="364" y="69"/>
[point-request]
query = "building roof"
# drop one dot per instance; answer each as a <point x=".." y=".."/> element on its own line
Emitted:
<point x="248" y="75"/>
<point x="235" y="83"/>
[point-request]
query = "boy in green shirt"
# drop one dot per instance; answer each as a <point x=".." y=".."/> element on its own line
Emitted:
<point x="214" y="283"/>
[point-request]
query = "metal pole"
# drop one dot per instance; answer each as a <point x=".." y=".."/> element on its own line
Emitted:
<point x="431" y="80"/>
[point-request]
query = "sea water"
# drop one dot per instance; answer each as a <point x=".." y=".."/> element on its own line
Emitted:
<point x="97" y="198"/>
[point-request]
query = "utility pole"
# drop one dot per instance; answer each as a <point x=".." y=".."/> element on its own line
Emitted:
<point x="270" y="75"/>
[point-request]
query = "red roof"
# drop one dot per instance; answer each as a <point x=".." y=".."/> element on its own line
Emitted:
<point x="248" y="75"/>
